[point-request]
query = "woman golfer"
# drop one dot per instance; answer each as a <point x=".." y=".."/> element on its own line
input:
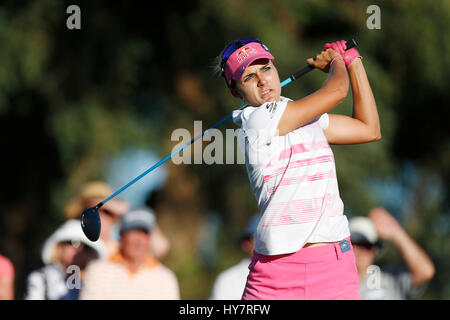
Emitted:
<point x="302" y="245"/>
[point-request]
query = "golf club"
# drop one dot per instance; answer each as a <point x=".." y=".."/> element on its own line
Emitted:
<point x="90" y="219"/>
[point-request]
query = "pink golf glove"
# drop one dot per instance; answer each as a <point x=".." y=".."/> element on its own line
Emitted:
<point x="340" y="46"/>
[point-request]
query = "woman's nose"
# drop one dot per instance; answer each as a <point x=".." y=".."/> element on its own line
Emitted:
<point x="262" y="79"/>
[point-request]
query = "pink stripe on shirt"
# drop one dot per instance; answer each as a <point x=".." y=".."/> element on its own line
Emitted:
<point x="300" y="148"/>
<point x="298" y="164"/>
<point x="293" y="212"/>
<point x="303" y="147"/>
<point x="307" y="178"/>
<point x="302" y="210"/>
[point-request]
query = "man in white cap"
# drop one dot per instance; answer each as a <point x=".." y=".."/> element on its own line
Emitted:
<point x="64" y="253"/>
<point x="132" y="273"/>
<point x="367" y="235"/>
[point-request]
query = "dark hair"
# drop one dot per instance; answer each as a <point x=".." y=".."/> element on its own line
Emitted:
<point x="218" y="71"/>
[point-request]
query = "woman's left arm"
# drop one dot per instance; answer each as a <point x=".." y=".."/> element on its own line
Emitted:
<point x="364" y="125"/>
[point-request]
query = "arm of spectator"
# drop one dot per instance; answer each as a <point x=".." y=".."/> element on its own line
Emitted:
<point x="6" y="288"/>
<point x="418" y="262"/>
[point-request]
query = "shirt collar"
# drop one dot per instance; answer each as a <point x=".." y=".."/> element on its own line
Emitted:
<point x="150" y="262"/>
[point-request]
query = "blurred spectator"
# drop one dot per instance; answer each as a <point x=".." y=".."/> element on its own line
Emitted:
<point x="230" y="284"/>
<point x="390" y="283"/>
<point x="159" y="244"/>
<point x="132" y="272"/>
<point x="110" y="213"/>
<point x="66" y="247"/>
<point x="6" y="279"/>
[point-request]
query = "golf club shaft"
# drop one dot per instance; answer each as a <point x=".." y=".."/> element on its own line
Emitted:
<point x="350" y="44"/>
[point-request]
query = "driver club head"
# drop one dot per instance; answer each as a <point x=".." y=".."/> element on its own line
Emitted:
<point x="90" y="223"/>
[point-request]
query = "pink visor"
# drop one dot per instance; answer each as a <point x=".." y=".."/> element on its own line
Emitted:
<point x="241" y="59"/>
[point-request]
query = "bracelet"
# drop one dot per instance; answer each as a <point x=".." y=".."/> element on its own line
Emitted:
<point x="338" y="57"/>
<point x="354" y="60"/>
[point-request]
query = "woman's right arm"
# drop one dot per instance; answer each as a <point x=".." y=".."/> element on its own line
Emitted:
<point x="332" y="93"/>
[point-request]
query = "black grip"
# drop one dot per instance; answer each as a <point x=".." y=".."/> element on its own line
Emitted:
<point x="349" y="44"/>
<point x="298" y="74"/>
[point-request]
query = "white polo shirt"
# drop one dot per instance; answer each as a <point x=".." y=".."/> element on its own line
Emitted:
<point x="293" y="177"/>
<point x="230" y="284"/>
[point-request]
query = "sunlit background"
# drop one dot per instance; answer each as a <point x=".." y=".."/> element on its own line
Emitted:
<point x="101" y="103"/>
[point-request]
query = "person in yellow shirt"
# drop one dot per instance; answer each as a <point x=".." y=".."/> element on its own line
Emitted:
<point x="132" y="273"/>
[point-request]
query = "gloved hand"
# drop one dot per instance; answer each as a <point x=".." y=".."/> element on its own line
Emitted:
<point x="340" y="46"/>
<point x="324" y="60"/>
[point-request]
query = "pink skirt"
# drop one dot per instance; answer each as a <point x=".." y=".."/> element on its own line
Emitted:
<point x="326" y="272"/>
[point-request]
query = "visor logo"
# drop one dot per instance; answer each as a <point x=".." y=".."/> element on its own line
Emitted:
<point x="244" y="53"/>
